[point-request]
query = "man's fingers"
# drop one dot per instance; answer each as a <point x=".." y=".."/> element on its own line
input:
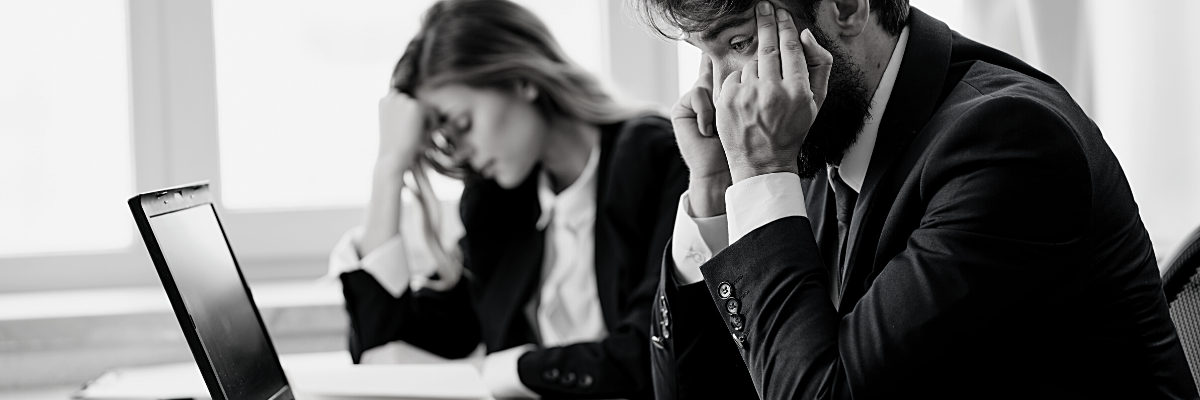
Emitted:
<point x="819" y="63"/>
<point x="768" y="42"/>
<point x="750" y="70"/>
<point x="730" y="85"/>
<point x="706" y="116"/>
<point x="791" y="51"/>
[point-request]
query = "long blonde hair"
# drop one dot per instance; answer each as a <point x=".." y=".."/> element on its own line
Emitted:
<point x="489" y="44"/>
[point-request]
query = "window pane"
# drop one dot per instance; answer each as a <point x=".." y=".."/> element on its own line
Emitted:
<point x="297" y="89"/>
<point x="689" y="66"/>
<point x="65" y="157"/>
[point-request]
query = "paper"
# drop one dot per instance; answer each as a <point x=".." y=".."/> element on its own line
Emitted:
<point x="319" y="376"/>
<point x="172" y="381"/>
<point x="426" y="381"/>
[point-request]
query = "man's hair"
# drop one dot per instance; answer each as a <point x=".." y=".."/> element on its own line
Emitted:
<point x="697" y="15"/>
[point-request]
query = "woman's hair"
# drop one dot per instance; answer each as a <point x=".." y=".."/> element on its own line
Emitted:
<point x="493" y="44"/>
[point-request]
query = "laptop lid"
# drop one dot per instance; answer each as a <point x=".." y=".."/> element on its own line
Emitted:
<point x="209" y="294"/>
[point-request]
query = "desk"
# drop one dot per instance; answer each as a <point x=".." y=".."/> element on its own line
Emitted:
<point x="412" y="371"/>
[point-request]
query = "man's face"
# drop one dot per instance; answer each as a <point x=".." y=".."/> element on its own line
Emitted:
<point x="731" y="43"/>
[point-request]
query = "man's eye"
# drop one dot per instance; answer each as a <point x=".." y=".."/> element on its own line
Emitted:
<point x="740" y="44"/>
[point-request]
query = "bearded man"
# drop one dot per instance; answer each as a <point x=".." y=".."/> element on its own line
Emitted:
<point x="882" y="208"/>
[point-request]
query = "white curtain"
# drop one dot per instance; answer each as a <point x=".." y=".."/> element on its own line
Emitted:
<point x="1132" y="66"/>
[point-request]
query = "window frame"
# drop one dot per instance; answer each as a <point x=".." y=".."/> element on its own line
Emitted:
<point x="174" y="141"/>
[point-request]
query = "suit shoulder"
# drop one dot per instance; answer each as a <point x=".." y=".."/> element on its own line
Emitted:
<point x="992" y="82"/>
<point x="644" y="130"/>
<point x="645" y="139"/>
<point x="997" y="114"/>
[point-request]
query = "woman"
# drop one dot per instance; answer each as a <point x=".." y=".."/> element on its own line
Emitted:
<point x="568" y="203"/>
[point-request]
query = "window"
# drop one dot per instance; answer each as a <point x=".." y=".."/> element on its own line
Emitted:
<point x="273" y="102"/>
<point x="65" y="128"/>
<point x="298" y="83"/>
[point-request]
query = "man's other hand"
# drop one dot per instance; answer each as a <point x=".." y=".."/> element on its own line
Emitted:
<point x="693" y="119"/>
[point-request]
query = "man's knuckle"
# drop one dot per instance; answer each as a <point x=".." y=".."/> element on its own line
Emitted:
<point x="767" y="25"/>
<point x="792" y="45"/>
<point x="768" y="50"/>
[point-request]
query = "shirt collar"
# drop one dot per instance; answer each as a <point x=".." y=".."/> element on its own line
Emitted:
<point x="576" y="201"/>
<point x="854" y="165"/>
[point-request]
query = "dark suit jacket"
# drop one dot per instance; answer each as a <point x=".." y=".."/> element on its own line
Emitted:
<point x="995" y="252"/>
<point x="640" y="178"/>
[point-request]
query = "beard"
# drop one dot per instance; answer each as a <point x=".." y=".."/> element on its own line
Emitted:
<point x="842" y="116"/>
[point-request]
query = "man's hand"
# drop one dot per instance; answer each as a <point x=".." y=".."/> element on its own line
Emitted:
<point x="692" y="118"/>
<point x="765" y="110"/>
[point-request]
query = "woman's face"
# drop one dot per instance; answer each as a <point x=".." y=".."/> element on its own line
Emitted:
<point x="499" y="132"/>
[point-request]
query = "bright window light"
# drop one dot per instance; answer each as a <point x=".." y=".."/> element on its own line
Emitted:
<point x="689" y="66"/>
<point x="298" y="84"/>
<point x="65" y="153"/>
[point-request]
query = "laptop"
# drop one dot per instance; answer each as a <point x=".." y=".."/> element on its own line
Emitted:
<point x="223" y="327"/>
<point x="209" y="294"/>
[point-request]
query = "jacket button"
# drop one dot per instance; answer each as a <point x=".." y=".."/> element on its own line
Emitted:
<point x="586" y="381"/>
<point x="568" y="379"/>
<point x="550" y="374"/>
<point x="739" y="339"/>
<point x="737" y="322"/>
<point x="733" y="306"/>
<point x="658" y="342"/>
<point x="725" y="290"/>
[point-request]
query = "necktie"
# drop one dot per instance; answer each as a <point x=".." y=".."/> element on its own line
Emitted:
<point x="845" y="197"/>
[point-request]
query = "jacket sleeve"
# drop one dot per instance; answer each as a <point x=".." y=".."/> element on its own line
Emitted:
<point x="619" y="364"/>
<point x="691" y="352"/>
<point x="1001" y="203"/>
<point x="443" y="323"/>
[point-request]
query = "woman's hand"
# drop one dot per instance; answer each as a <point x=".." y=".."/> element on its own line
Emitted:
<point x="404" y="124"/>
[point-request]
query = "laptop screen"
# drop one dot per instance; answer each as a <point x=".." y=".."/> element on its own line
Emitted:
<point x="203" y="269"/>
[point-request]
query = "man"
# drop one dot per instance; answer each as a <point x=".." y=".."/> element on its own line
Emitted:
<point x="949" y="224"/>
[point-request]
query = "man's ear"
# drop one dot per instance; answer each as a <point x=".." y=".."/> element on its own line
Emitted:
<point x="527" y="91"/>
<point x="852" y="16"/>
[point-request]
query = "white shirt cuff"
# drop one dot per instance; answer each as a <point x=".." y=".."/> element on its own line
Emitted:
<point x="500" y="373"/>
<point x="763" y="199"/>
<point x="388" y="263"/>
<point x="695" y="240"/>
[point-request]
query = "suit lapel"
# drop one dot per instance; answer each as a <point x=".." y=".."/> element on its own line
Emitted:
<point x="915" y="97"/>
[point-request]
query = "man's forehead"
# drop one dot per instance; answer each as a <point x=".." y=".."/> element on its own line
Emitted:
<point x="714" y="28"/>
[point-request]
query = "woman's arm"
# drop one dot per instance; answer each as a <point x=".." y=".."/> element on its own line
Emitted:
<point x="380" y="305"/>
<point x="443" y="323"/>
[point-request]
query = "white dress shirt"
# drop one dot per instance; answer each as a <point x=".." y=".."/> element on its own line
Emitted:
<point x="569" y="302"/>
<point x="763" y="199"/>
